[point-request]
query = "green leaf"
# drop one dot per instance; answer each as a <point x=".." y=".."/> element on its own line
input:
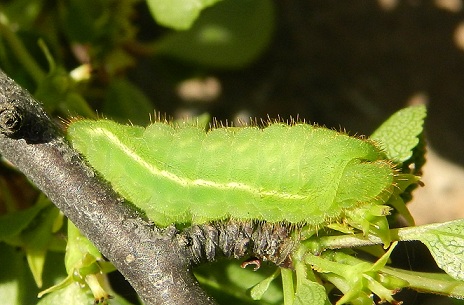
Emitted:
<point x="16" y="285"/>
<point x="177" y="14"/>
<point x="399" y="135"/>
<point x="259" y="289"/>
<point x="230" y="35"/>
<point x="124" y="101"/>
<point x="75" y="295"/>
<point x="81" y="20"/>
<point x="53" y="88"/>
<point x="39" y="236"/>
<point x="77" y="249"/>
<point x="37" y="241"/>
<point x="36" y="261"/>
<point x="73" y="103"/>
<point x="227" y="282"/>
<point x="22" y="13"/>
<point x="356" y="278"/>
<point x="12" y="224"/>
<point x="84" y="265"/>
<point x="70" y="295"/>
<point x="309" y="292"/>
<point x="446" y="244"/>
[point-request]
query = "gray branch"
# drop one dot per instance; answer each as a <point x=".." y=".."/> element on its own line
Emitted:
<point x="151" y="259"/>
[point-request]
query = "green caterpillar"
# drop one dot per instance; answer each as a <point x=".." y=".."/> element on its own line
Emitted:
<point x="298" y="173"/>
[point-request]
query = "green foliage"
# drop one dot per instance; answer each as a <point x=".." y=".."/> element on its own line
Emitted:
<point x="127" y="151"/>
<point x="75" y="56"/>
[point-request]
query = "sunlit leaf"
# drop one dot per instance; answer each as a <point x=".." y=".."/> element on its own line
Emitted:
<point x="399" y="134"/>
<point x="16" y="285"/>
<point x="178" y="14"/>
<point x="309" y="292"/>
<point x="229" y="35"/>
<point x="446" y="244"/>
<point x="259" y="289"/>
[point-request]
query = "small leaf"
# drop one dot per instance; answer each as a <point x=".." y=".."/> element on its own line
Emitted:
<point x="124" y="101"/>
<point x="446" y="244"/>
<point x="82" y="268"/>
<point x="58" y="91"/>
<point x="230" y="35"/>
<point x="54" y="87"/>
<point x="203" y="120"/>
<point x="259" y="289"/>
<point x="36" y="261"/>
<point x="227" y="283"/>
<point x="309" y="292"/>
<point x="177" y="14"/>
<point x="37" y="241"/>
<point x="76" y="295"/>
<point x="39" y="236"/>
<point x="71" y="295"/>
<point x="16" y="284"/>
<point x="12" y="224"/>
<point x="78" y="247"/>
<point x="399" y="135"/>
<point x="74" y="103"/>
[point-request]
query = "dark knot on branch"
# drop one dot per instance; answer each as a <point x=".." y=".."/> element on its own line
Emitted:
<point x="11" y="119"/>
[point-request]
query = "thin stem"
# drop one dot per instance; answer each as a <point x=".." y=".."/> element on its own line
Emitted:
<point x="287" y="285"/>
<point x="429" y="282"/>
<point x="359" y="240"/>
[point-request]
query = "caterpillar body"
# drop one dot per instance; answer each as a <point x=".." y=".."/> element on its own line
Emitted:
<point x="297" y="174"/>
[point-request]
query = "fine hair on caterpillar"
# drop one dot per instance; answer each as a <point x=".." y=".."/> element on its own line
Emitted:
<point x="264" y="193"/>
<point x="301" y="174"/>
<point x="278" y="173"/>
<point x="272" y="242"/>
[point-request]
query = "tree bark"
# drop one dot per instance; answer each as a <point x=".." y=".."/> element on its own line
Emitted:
<point x="150" y="258"/>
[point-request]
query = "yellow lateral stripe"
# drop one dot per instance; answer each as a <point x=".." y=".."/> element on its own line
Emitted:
<point x="188" y="182"/>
